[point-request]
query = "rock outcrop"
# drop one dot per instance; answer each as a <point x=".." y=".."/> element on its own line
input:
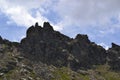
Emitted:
<point x="46" y="45"/>
<point x="1" y="40"/>
<point x="114" y="57"/>
<point x="51" y="47"/>
<point x="46" y="54"/>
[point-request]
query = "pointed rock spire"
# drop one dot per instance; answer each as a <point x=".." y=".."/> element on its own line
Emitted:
<point x="36" y="24"/>
<point x="47" y="26"/>
<point x="115" y="46"/>
<point x="37" y="27"/>
<point x="81" y="37"/>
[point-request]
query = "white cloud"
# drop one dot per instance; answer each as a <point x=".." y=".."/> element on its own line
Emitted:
<point x="19" y="11"/>
<point x="88" y="12"/>
<point x="84" y="14"/>
<point x="104" y="45"/>
<point x="78" y="12"/>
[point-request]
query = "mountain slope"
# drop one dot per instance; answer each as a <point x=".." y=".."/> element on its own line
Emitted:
<point x="46" y="54"/>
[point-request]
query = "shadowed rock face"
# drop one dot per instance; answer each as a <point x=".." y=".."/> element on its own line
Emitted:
<point x="86" y="52"/>
<point x="47" y="26"/>
<point x="51" y="47"/>
<point x="114" y="56"/>
<point x="1" y="39"/>
<point x="44" y="44"/>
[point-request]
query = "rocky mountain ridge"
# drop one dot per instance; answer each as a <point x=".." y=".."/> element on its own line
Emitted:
<point x="52" y="47"/>
<point x="44" y="50"/>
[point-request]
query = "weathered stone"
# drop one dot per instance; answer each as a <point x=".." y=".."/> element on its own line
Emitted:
<point x="44" y="51"/>
<point x="4" y="70"/>
<point x="1" y="40"/>
<point x="83" y="72"/>
<point x="114" y="56"/>
<point x="1" y="74"/>
<point x="51" y="47"/>
<point x="82" y="38"/>
<point x="47" y="26"/>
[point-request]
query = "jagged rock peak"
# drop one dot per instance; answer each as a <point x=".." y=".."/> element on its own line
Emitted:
<point x="114" y="57"/>
<point x="115" y="45"/>
<point x="30" y="30"/>
<point x="47" y="26"/>
<point x="1" y="39"/>
<point x="33" y="29"/>
<point x="82" y="37"/>
<point x="36" y="24"/>
<point x="37" y="28"/>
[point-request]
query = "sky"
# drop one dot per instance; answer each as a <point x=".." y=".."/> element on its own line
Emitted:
<point x="99" y="19"/>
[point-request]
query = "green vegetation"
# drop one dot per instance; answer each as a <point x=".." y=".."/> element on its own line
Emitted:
<point x="107" y="74"/>
<point x="14" y="66"/>
<point x="101" y="72"/>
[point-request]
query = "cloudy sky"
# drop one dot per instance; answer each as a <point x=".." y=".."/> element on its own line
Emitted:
<point x="99" y="19"/>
